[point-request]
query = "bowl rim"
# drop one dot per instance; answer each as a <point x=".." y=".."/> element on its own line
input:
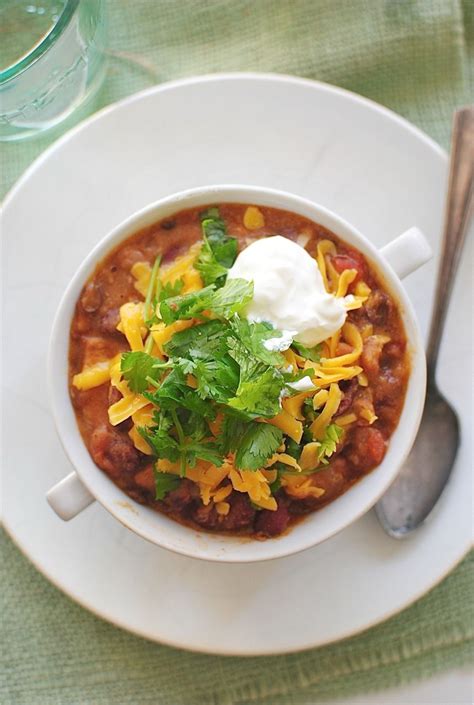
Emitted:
<point x="99" y="484"/>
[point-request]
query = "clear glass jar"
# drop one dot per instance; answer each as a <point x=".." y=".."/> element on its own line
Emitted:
<point x="52" y="59"/>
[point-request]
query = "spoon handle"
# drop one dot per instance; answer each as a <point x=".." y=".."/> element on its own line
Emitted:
<point x="457" y="217"/>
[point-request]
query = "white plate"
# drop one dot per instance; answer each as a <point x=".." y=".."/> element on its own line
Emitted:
<point x="347" y="153"/>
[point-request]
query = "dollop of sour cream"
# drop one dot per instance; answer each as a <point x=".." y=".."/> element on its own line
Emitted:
<point x="289" y="292"/>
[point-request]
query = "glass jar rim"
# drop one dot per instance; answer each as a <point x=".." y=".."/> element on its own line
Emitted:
<point x="39" y="49"/>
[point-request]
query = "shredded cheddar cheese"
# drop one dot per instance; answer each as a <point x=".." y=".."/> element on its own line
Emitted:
<point x="95" y="375"/>
<point x="320" y="424"/>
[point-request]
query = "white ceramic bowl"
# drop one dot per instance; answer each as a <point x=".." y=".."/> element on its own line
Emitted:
<point x="88" y="482"/>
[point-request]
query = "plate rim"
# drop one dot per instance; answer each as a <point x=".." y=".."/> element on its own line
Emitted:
<point x="56" y="146"/>
<point x="207" y="78"/>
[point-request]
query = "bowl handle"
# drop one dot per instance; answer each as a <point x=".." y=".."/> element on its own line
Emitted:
<point x="407" y="252"/>
<point x="69" y="497"/>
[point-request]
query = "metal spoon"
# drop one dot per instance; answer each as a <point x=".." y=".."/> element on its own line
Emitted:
<point x="410" y="499"/>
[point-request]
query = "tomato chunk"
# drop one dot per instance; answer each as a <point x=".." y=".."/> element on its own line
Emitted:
<point x="352" y="261"/>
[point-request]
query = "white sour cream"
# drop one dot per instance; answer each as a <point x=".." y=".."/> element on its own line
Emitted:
<point x="289" y="291"/>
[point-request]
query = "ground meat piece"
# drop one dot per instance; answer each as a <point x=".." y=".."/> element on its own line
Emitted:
<point x="206" y="515"/>
<point x="172" y="253"/>
<point x="109" y="322"/>
<point x="113" y="452"/>
<point x="95" y="349"/>
<point x="80" y="324"/>
<point x="367" y="448"/>
<point x="145" y="479"/>
<point x="241" y="514"/>
<point x="394" y="350"/>
<point x="114" y="395"/>
<point x="180" y="499"/>
<point x="349" y="389"/>
<point x="127" y="257"/>
<point x="371" y="354"/>
<point x="378" y="307"/>
<point x="91" y="297"/>
<point x="363" y="405"/>
<point x="352" y="261"/>
<point x="389" y="384"/>
<point x="332" y="479"/>
<point x="272" y="523"/>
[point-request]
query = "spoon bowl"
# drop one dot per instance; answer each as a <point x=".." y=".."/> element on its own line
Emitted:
<point x="425" y="472"/>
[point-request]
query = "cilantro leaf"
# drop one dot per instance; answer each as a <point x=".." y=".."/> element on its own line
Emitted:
<point x="217" y="379"/>
<point x="253" y="337"/>
<point x="232" y="430"/>
<point x="174" y="392"/>
<point x="185" y="306"/>
<point x="232" y="298"/>
<point x="206" y="340"/>
<point x="209" y="268"/>
<point x="293" y="448"/>
<point x="224" y="302"/>
<point x="257" y="445"/>
<point x="161" y="442"/>
<point x="137" y="367"/>
<point x="276" y="484"/>
<point x="259" y="395"/>
<point x="218" y="251"/>
<point x="313" y="354"/>
<point x="170" y="289"/>
<point x="329" y="442"/>
<point x="205" y="451"/>
<point x="164" y="483"/>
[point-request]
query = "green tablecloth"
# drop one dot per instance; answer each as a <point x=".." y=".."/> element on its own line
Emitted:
<point x="414" y="57"/>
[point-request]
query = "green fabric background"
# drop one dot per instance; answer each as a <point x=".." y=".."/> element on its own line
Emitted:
<point x="415" y="57"/>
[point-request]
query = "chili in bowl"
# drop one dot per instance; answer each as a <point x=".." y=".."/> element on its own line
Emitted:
<point x="237" y="364"/>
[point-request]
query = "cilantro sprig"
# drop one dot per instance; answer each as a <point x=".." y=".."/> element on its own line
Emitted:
<point x="223" y="302"/>
<point x="218" y="251"/>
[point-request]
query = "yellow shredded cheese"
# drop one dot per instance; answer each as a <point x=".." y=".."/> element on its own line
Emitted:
<point x="132" y="324"/>
<point x="162" y="334"/>
<point x="141" y="418"/>
<point x="94" y="375"/>
<point x="368" y="415"/>
<point x="346" y="419"/>
<point x="141" y="271"/>
<point x="309" y="456"/>
<point x="320" y="398"/>
<point x="294" y="405"/>
<point x="300" y="487"/>
<point x="182" y="268"/>
<point x="320" y="424"/>
<point x="324" y="378"/>
<point x="255" y="484"/>
<point x="324" y="247"/>
<point x="123" y="409"/>
<point x="288" y="424"/>
<point x="351" y="334"/>
<point x="345" y="279"/>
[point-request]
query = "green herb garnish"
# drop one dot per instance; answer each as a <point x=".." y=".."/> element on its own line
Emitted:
<point x="218" y="251"/>
<point x="332" y="436"/>
<point x="313" y="354"/>
<point x="164" y="483"/>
